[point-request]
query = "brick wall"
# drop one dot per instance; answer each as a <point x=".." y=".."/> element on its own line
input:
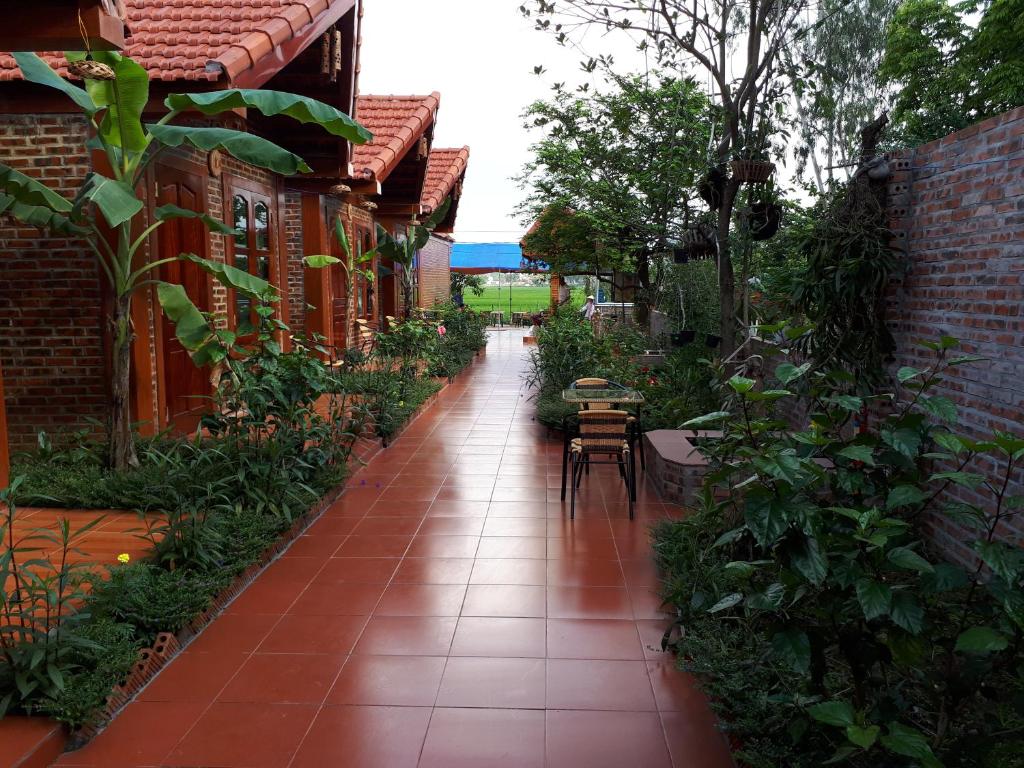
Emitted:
<point x="434" y="267"/>
<point x="51" y="340"/>
<point x="958" y="205"/>
<point x="292" y="217"/>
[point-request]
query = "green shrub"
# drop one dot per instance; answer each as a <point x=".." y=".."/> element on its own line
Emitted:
<point x="824" y="626"/>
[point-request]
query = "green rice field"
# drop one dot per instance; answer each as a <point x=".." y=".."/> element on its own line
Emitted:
<point x="531" y="299"/>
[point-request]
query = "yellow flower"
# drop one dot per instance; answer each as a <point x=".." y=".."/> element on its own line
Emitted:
<point x="124" y="557"/>
<point x="401" y="403"/>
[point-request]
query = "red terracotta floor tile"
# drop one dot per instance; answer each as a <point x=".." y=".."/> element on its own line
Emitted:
<point x="374" y="546"/>
<point x="314" y="546"/>
<point x="283" y="678"/>
<point x="399" y="509"/>
<point x="605" y="740"/>
<point x="388" y="526"/>
<point x="123" y="744"/>
<point x="434" y="570"/>
<point x="532" y="509"/>
<point x="651" y="633"/>
<point x="193" y="678"/>
<point x="499" y="637"/>
<point x="510" y="601"/>
<point x="512" y="547"/>
<point x="694" y="741"/>
<point x="584" y="572"/>
<point x="506" y="683"/>
<point x="268" y="594"/>
<point x="364" y="737"/>
<point x="407" y="681"/>
<point x="474" y="738"/>
<point x="235" y="632"/>
<point x="589" y="603"/>
<point x="444" y="546"/>
<point x="442" y="508"/>
<point x="333" y="526"/>
<point x="421" y="600"/>
<point x="515" y="526"/>
<point x="523" y="572"/>
<point x="604" y="685"/>
<point x="407" y="636"/>
<point x="360" y="570"/>
<point x="648" y="603"/>
<point x="327" y="597"/>
<point x="251" y="735"/>
<point x="452" y="526"/>
<point x="593" y="639"/>
<point x="314" y="634"/>
<point x="597" y="548"/>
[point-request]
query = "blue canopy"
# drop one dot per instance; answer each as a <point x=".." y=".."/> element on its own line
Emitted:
<point x="480" y="258"/>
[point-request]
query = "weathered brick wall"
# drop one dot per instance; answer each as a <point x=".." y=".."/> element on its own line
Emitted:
<point x="435" y="260"/>
<point x="958" y="204"/>
<point x="292" y="216"/>
<point x="51" y="340"/>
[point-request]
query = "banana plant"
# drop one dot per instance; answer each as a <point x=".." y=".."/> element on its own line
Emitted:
<point x="354" y="265"/>
<point x="111" y="204"/>
<point x="402" y="250"/>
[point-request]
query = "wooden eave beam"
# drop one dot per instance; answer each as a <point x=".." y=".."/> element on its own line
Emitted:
<point x="52" y="25"/>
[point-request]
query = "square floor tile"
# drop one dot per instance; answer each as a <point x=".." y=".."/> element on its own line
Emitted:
<point x="512" y="547"/>
<point x="605" y="740"/>
<point x="326" y="597"/>
<point x="268" y="594"/>
<point x="511" y="601"/>
<point x="604" y="685"/>
<point x="452" y="526"/>
<point x="235" y="632"/>
<point x="364" y="737"/>
<point x="589" y="603"/>
<point x="421" y="600"/>
<point x="141" y="735"/>
<point x="444" y="546"/>
<point x="499" y="637"/>
<point x="193" y="677"/>
<point x="373" y="546"/>
<point x="407" y="681"/>
<point x="595" y="547"/>
<point x="283" y="678"/>
<point x="314" y="634"/>
<point x="314" y="546"/>
<point x="584" y="572"/>
<point x="441" y="508"/>
<point x="434" y="570"/>
<point x="694" y="740"/>
<point x="388" y="526"/>
<point x="407" y="636"/>
<point x="515" y="526"/>
<point x="360" y="570"/>
<point x="520" y="571"/>
<point x="474" y="738"/>
<point x="253" y="735"/>
<point x="510" y="683"/>
<point x="593" y="639"/>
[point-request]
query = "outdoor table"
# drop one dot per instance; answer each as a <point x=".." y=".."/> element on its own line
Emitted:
<point x="582" y="397"/>
<point x="518" y="318"/>
<point x="497" y="317"/>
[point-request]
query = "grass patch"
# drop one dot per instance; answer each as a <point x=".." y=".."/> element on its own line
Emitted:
<point x="532" y="299"/>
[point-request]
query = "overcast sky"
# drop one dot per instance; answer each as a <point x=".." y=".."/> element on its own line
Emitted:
<point x="480" y="55"/>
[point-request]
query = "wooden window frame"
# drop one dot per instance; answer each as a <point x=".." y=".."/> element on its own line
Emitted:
<point x="250" y="190"/>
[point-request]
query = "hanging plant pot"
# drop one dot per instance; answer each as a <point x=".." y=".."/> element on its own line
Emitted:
<point x="752" y="171"/>
<point x="89" y="69"/>
<point x="765" y="219"/>
<point x="682" y="338"/>
<point x="698" y="242"/>
<point x="712" y="341"/>
<point x="712" y="187"/>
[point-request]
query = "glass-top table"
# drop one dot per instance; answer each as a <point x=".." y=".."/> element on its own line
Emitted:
<point x="611" y="396"/>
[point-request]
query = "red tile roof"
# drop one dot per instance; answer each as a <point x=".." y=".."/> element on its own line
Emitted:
<point x="397" y="123"/>
<point x="205" y="40"/>
<point x="444" y="169"/>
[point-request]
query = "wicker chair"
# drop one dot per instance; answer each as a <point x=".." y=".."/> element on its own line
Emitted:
<point x="367" y="341"/>
<point x="636" y="427"/>
<point x="602" y="433"/>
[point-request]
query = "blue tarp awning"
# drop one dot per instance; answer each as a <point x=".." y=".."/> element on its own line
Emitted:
<point x="480" y="258"/>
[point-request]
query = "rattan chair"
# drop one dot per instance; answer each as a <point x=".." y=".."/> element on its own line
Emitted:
<point x="602" y="433"/>
<point x="636" y="426"/>
<point x="367" y="340"/>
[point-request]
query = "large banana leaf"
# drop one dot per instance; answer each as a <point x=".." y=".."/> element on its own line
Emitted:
<point x="235" y="278"/>
<point x="244" y="146"/>
<point x="320" y="261"/>
<point x="115" y="199"/>
<point x="301" y="108"/>
<point x="124" y="98"/>
<point x="438" y="215"/>
<point x="35" y="70"/>
<point x="391" y="249"/>
<point x="168" y="212"/>
<point x="342" y="236"/>
<point x="190" y="326"/>
<point x="32" y="202"/>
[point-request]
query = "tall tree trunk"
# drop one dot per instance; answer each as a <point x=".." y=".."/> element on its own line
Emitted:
<point x="726" y="274"/>
<point x="642" y="299"/>
<point x="122" y="444"/>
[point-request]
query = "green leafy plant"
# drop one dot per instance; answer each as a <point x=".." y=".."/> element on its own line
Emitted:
<point x="355" y="264"/>
<point x="114" y="109"/>
<point x="402" y="250"/>
<point x="814" y="544"/>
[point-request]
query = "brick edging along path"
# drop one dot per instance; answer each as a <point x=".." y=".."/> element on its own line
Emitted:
<point x="443" y="612"/>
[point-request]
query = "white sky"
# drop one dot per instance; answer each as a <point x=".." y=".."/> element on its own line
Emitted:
<point x="480" y="55"/>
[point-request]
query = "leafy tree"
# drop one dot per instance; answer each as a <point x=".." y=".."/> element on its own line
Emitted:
<point x="460" y="282"/>
<point x="355" y="264"/>
<point x="613" y="175"/>
<point x="114" y="109"/>
<point x="948" y="72"/>
<point x="712" y="36"/>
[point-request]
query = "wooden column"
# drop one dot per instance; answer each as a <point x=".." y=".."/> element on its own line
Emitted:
<point x="5" y="463"/>
<point x="556" y="284"/>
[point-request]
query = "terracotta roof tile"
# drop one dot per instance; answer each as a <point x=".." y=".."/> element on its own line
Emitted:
<point x="397" y="123"/>
<point x="444" y="169"/>
<point x="188" y="39"/>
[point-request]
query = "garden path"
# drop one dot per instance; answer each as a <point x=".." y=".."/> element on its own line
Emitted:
<point x="445" y="612"/>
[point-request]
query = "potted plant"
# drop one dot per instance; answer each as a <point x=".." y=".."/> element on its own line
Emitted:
<point x="712" y="187"/>
<point x="682" y="338"/>
<point x="752" y="170"/>
<point x="764" y="220"/>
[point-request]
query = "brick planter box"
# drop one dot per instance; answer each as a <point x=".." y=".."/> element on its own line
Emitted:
<point x="675" y="464"/>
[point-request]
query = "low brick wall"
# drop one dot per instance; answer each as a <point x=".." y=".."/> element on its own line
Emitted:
<point x="675" y="465"/>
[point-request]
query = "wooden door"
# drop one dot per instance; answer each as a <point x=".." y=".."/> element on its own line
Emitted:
<point x="186" y="386"/>
<point x="253" y="249"/>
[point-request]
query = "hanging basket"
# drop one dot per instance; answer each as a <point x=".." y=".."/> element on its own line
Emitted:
<point x="765" y="220"/>
<point x="696" y="243"/>
<point x="752" y="171"/>
<point x="87" y="69"/>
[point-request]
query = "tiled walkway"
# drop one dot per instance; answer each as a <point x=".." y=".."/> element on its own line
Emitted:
<point x="444" y="613"/>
